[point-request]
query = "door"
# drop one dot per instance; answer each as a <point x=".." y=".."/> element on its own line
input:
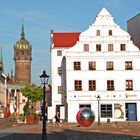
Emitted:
<point x="131" y="111"/>
<point x="58" y="109"/>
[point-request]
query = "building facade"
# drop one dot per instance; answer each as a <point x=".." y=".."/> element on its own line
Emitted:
<point x="133" y="26"/>
<point x="22" y="57"/>
<point x="3" y="87"/>
<point x="101" y="60"/>
<point x="15" y="98"/>
<point x="3" y="93"/>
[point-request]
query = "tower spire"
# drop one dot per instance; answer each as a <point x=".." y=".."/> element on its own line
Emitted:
<point x="11" y="73"/>
<point x="22" y="30"/>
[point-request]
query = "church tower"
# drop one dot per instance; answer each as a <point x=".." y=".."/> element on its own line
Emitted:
<point x="22" y="57"/>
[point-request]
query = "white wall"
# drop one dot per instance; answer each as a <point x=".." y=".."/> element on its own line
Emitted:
<point x="101" y="75"/>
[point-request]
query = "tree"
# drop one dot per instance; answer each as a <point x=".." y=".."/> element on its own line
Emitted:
<point x="33" y="93"/>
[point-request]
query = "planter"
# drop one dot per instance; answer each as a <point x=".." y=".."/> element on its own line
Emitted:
<point x="32" y="119"/>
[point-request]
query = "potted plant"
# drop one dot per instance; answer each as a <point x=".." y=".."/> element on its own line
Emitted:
<point x="21" y="118"/>
<point x="32" y="118"/>
<point x="33" y="94"/>
<point x="12" y="119"/>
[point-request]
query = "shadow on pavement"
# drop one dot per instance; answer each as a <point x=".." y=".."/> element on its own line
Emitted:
<point x="68" y="134"/>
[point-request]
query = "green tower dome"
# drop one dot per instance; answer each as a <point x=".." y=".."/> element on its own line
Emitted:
<point x="22" y="43"/>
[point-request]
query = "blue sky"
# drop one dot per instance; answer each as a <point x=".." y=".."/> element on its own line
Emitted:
<point x="40" y="16"/>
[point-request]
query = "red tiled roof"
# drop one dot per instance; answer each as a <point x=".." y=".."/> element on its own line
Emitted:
<point x="65" y="39"/>
<point x="10" y="81"/>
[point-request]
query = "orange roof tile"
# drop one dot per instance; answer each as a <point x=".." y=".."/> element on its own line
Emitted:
<point x="65" y="39"/>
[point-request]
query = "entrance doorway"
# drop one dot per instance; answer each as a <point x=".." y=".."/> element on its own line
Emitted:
<point x="59" y="109"/>
<point x="131" y="111"/>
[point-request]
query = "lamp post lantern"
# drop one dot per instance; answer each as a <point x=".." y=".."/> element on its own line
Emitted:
<point x="98" y="99"/>
<point x="44" y="81"/>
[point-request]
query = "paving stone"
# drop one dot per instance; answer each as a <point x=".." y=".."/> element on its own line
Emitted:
<point x="72" y="132"/>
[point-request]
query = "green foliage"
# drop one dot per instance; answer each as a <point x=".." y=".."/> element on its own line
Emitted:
<point x="22" y="118"/>
<point x="26" y="108"/>
<point x="32" y="92"/>
<point x="12" y="118"/>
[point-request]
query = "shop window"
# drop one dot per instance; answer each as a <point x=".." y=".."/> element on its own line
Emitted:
<point x="84" y="105"/>
<point x="106" y="110"/>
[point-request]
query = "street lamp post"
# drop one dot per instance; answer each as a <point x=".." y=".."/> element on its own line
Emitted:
<point x="44" y="81"/>
<point x="98" y="99"/>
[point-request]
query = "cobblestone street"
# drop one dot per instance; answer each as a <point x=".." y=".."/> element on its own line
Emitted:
<point x="112" y="131"/>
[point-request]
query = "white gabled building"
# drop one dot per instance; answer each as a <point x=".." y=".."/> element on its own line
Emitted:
<point x="101" y="60"/>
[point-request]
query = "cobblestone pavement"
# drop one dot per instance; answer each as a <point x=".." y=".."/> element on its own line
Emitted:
<point x="112" y="131"/>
